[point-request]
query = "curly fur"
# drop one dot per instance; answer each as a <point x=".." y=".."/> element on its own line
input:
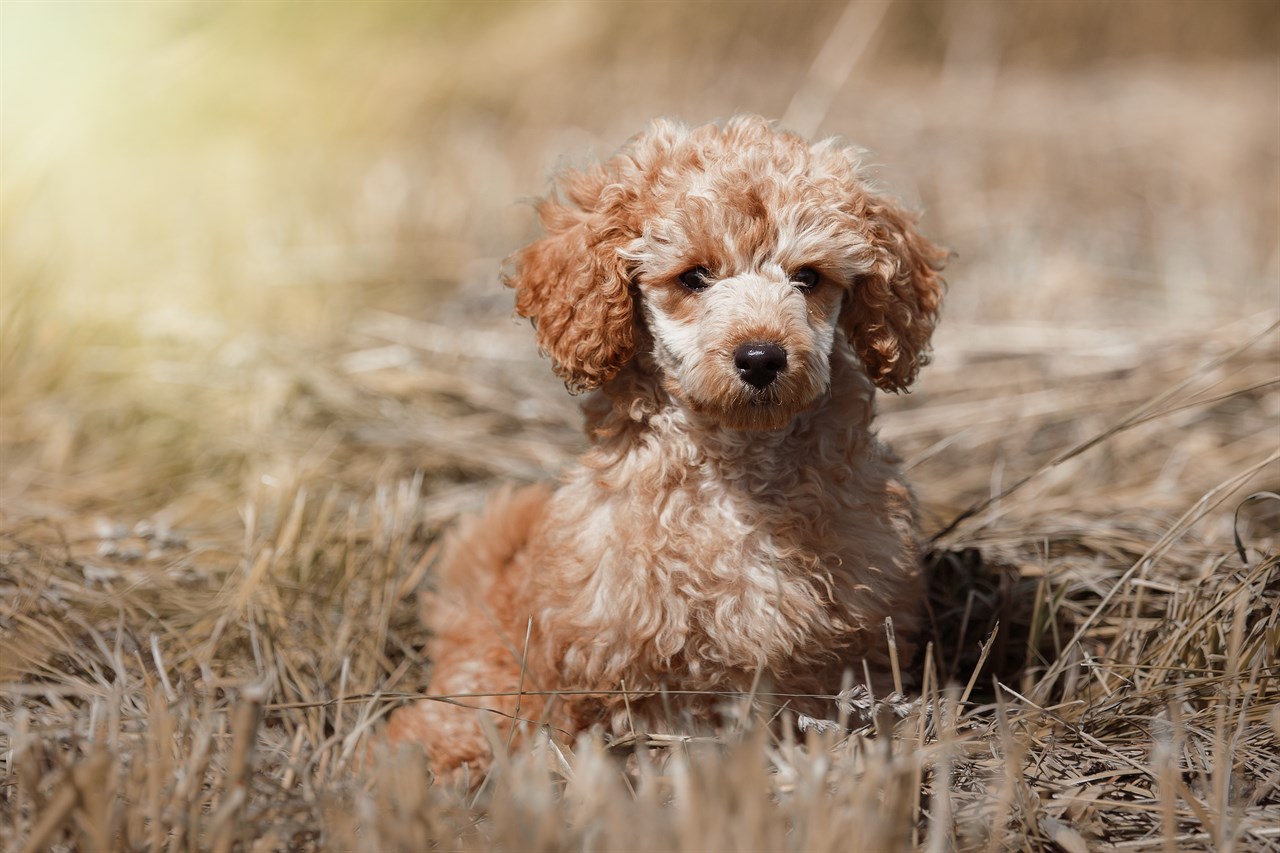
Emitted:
<point x="717" y="537"/>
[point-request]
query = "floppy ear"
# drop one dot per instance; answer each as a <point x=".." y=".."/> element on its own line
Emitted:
<point x="891" y="311"/>
<point x="574" y="286"/>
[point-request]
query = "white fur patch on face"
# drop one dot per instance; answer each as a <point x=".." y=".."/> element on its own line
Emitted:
<point x="696" y="336"/>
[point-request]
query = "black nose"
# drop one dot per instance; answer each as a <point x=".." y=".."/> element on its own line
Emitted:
<point x="759" y="364"/>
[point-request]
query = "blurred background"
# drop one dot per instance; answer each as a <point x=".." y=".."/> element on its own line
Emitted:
<point x="248" y="243"/>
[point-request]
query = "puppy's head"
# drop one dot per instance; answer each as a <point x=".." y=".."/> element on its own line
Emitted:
<point x="746" y="252"/>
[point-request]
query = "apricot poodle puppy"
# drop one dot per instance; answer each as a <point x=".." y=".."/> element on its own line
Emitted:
<point x="731" y="296"/>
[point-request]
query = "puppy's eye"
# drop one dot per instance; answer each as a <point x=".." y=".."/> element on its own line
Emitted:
<point x="805" y="278"/>
<point x="696" y="279"/>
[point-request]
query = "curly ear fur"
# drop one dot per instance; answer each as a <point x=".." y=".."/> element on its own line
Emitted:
<point x="574" y="286"/>
<point x="891" y="312"/>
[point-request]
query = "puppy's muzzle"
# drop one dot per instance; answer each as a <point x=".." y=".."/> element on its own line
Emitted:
<point x="759" y="363"/>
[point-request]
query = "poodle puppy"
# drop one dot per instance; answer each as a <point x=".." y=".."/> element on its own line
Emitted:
<point x="731" y="296"/>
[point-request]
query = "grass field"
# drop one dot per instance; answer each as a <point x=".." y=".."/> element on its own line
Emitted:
<point x="254" y="357"/>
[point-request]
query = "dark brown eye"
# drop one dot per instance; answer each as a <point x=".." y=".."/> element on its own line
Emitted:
<point x="696" y="279"/>
<point x="805" y="278"/>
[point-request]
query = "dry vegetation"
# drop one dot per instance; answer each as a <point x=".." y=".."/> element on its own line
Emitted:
<point x="254" y="357"/>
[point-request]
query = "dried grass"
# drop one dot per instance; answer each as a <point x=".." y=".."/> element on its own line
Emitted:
<point x="231" y="430"/>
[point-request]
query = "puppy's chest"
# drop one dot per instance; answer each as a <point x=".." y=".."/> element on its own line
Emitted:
<point x="730" y="572"/>
<point x="711" y="527"/>
<point x="716" y="569"/>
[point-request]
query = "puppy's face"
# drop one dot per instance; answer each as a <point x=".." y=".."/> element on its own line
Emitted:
<point x="741" y="282"/>
<point x="747" y="253"/>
